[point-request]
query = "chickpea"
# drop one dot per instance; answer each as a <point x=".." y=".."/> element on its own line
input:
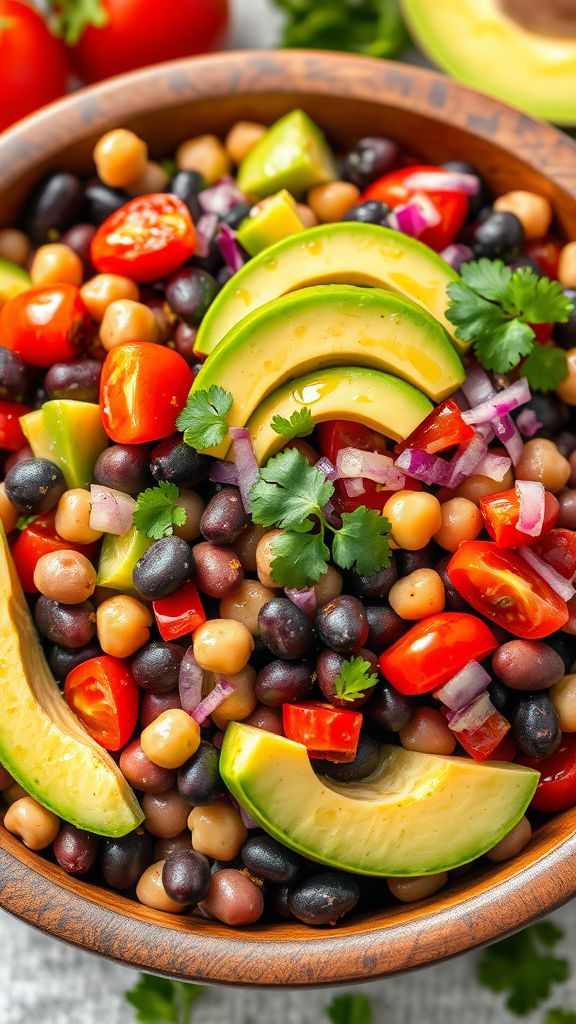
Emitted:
<point x="567" y="266"/>
<point x="35" y="825"/>
<point x="417" y="595"/>
<point x="563" y="697"/>
<point x="246" y="544"/>
<point x="307" y="216"/>
<point x="56" y="264"/>
<point x="204" y="154"/>
<point x="217" y="830"/>
<point x="123" y="625"/>
<point x="244" y="604"/>
<point x="14" y="246"/>
<point x="102" y="290"/>
<point x="166" y="814"/>
<point x="329" y="586"/>
<point x="533" y="211"/>
<point x="461" y="520"/>
<point x="9" y="514"/>
<point x="477" y="486"/>
<point x="73" y="517"/>
<point x="240" y="704"/>
<point x="415" y="517"/>
<point x="241" y="138"/>
<point x="331" y="201"/>
<point x="153" y="179"/>
<point x="513" y="843"/>
<point x="151" y="892"/>
<point x="223" y="646"/>
<point x="120" y="157"/>
<point x="428" y="732"/>
<point x="126" y="321"/>
<point x="264" y="556"/>
<point x="65" y="576"/>
<point x="541" y="460"/>
<point x="409" y="890"/>
<point x="566" y="391"/>
<point x="171" y="738"/>
<point x="194" y="506"/>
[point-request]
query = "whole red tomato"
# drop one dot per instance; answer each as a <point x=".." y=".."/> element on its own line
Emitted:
<point x="141" y="32"/>
<point x="33" y="63"/>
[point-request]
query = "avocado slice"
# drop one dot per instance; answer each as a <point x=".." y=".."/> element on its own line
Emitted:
<point x="417" y="814"/>
<point x="345" y="253"/>
<point x="13" y="280"/>
<point x="378" y="400"/>
<point x="487" y="47"/>
<point x="42" y="743"/>
<point x="118" y="556"/>
<point x="68" y="433"/>
<point x="329" y="325"/>
<point x="293" y="154"/>
<point x="274" y="219"/>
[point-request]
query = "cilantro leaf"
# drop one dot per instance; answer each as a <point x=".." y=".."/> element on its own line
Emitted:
<point x="522" y="966"/>
<point x="203" y="418"/>
<point x="300" y="424"/>
<point x="539" y="300"/>
<point x="354" y="678"/>
<point x="546" y="367"/>
<point x="161" y="1001"/>
<point x="559" y="1016"/>
<point x="499" y="342"/>
<point x="288" y="492"/>
<point x="157" y="511"/>
<point x="350" y="1009"/>
<point x="300" y="559"/>
<point x="362" y="541"/>
<point x="504" y="346"/>
<point x="488" y="278"/>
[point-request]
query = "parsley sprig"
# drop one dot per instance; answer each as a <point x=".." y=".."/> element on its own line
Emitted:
<point x="494" y="307"/>
<point x="524" y="966"/>
<point x="300" y="424"/>
<point x="161" y="1001"/>
<point x="203" y="418"/>
<point x="292" y="494"/>
<point x="157" y="511"/>
<point x="355" y="677"/>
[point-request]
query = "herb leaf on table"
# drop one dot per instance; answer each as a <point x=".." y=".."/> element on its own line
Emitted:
<point x="559" y="1016"/>
<point x="524" y="966"/>
<point x="162" y="1001"/>
<point x="373" y="27"/>
<point x="350" y="1009"/>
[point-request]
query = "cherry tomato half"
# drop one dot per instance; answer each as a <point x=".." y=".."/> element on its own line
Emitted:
<point x="444" y="428"/>
<point x="501" y="585"/>
<point x="558" y="548"/>
<point x="46" y="325"/>
<point x="143" y="388"/>
<point x="11" y="436"/>
<point x="145" y="239"/>
<point x="328" y="733"/>
<point x="434" y="650"/>
<point x="103" y="694"/>
<point x="546" y="253"/>
<point x="501" y="512"/>
<point x="37" y="539"/>
<point x="393" y="190"/>
<point x="556" y="790"/>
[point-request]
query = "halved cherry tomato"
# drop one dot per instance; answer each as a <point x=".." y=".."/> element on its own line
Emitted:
<point x="501" y="512"/>
<point x="556" y="790"/>
<point x="501" y="585"/>
<point x="393" y="190"/>
<point x="11" y="436"/>
<point x="46" y="325"/>
<point x="104" y="695"/>
<point x="37" y="539"/>
<point x="328" y="733"/>
<point x="444" y="428"/>
<point x="543" y="333"/>
<point x="146" y="239"/>
<point x="179" y="613"/>
<point x="489" y="740"/>
<point x="434" y="650"/>
<point x="143" y="388"/>
<point x="558" y="548"/>
<point x="546" y="253"/>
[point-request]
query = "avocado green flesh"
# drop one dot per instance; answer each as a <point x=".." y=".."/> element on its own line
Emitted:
<point x="42" y="743"/>
<point x="293" y="154"/>
<point x="68" y="433"/>
<point x="118" y="556"/>
<point x="346" y="253"/>
<point x="377" y="400"/>
<point x="277" y="219"/>
<point x="477" y="43"/>
<point x="417" y="814"/>
<point x="13" y="280"/>
<point x="330" y="325"/>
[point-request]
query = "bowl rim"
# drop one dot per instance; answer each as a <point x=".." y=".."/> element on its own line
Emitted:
<point x="471" y="913"/>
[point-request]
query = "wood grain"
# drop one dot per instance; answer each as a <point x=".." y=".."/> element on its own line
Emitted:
<point x="349" y="97"/>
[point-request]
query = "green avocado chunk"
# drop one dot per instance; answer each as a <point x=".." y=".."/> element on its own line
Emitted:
<point x="276" y="218"/>
<point x="293" y="154"/>
<point x="118" y="556"/>
<point x="68" y="433"/>
<point x="417" y="814"/>
<point x="42" y="743"/>
<point x="345" y="253"/>
<point x="378" y="400"/>
<point x="329" y="325"/>
<point x="13" y="280"/>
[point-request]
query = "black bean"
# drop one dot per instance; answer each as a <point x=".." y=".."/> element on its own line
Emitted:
<point x="224" y="517"/>
<point x="199" y="779"/>
<point x="156" y="667"/>
<point x="163" y="568"/>
<point x="500" y="236"/>
<point x="189" y="293"/>
<point x="324" y="898"/>
<point x="565" y="645"/>
<point x="283" y="682"/>
<point x="69" y="625"/>
<point x="218" y="570"/>
<point x="269" y="860"/>
<point x="78" y="381"/>
<point x="14" y="376"/>
<point x="503" y="699"/>
<point x="385" y="627"/>
<point x="79" y="239"/>
<point x="186" y="185"/>
<point x="527" y="665"/>
<point x="101" y="201"/>
<point x="126" y="858"/>
<point x="390" y="710"/>
<point x="370" y="158"/>
<point x="35" y="486"/>
<point x="374" y="586"/>
<point x="365" y="762"/>
<point x="62" y="659"/>
<point x="124" y="467"/>
<point x="53" y="206"/>
<point x="284" y="628"/>
<point x="184" y="342"/>
<point x="178" y="463"/>
<point x="535" y="726"/>
<point x="75" y="850"/>
<point x="342" y="624"/>
<point x="186" y="876"/>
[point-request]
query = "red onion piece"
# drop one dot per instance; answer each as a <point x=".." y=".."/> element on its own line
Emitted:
<point x="246" y="463"/>
<point x="354" y="462"/>
<point x="221" y="197"/>
<point x="472" y="716"/>
<point x="532" y="499"/>
<point x="444" y="181"/>
<point x="467" y="684"/>
<point x="230" y="249"/>
<point x="213" y="700"/>
<point x="455" y="255"/>
<point x="354" y="486"/>
<point x="466" y="460"/>
<point x="305" y="600"/>
<point x="528" y="423"/>
<point x="190" y="682"/>
<point x="506" y="431"/>
<point x="554" y="580"/>
<point x="501" y="403"/>
<point x="429" y="469"/>
<point x="477" y="387"/>
<point x="414" y="217"/>
<point x="326" y="467"/>
<point x="494" y="466"/>
<point x="111" y="511"/>
<point x="223" y="473"/>
<point x="206" y="228"/>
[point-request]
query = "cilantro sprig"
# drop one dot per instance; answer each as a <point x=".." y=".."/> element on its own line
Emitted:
<point x="157" y="511"/>
<point x="355" y="677"/>
<point x="292" y="494"/>
<point x="203" y="418"/>
<point x="494" y="307"/>
<point x="524" y="966"/>
<point x="300" y="424"/>
<point x="161" y="1001"/>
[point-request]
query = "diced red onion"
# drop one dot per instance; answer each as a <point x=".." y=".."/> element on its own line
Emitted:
<point x="457" y="254"/>
<point x="408" y="219"/>
<point x="532" y="501"/>
<point x="465" y="462"/>
<point x="506" y="432"/>
<point x="206" y="229"/>
<point x="213" y="700"/>
<point x="246" y="463"/>
<point x="557" y="582"/>
<point x="501" y="403"/>
<point x="429" y="469"/>
<point x="467" y="684"/>
<point x="354" y="462"/>
<point x="327" y="468"/>
<point x="444" y="181"/>
<point x="230" y="249"/>
<point x="472" y="716"/>
<point x="221" y="197"/>
<point x="528" y="423"/>
<point x="223" y="473"/>
<point x="190" y="682"/>
<point x="477" y="387"/>
<point x="305" y="600"/>
<point x="354" y="486"/>
<point x="494" y="466"/>
<point x="111" y="511"/>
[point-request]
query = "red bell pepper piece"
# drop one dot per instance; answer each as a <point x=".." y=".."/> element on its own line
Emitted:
<point x="487" y="740"/>
<point x="143" y="388"/>
<point x="328" y="733"/>
<point x="179" y="613"/>
<point x="444" y="428"/>
<point x="556" y="790"/>
<point x="395" y="189"/>
<point x="558" y="548"/>
<point x="104" y="695"/>
<point x="46" y="325"/>
<point x="501" y="512"/>
<point x="37" y="539"/>
<point x="11" y="436"/>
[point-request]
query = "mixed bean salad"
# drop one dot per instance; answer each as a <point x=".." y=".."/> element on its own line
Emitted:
<point x="260" y="550"/>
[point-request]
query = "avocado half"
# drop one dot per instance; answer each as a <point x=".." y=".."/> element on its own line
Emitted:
<point x="501" y="48"/>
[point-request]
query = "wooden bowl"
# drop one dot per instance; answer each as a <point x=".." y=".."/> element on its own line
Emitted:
<point x="349" y="97"/>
